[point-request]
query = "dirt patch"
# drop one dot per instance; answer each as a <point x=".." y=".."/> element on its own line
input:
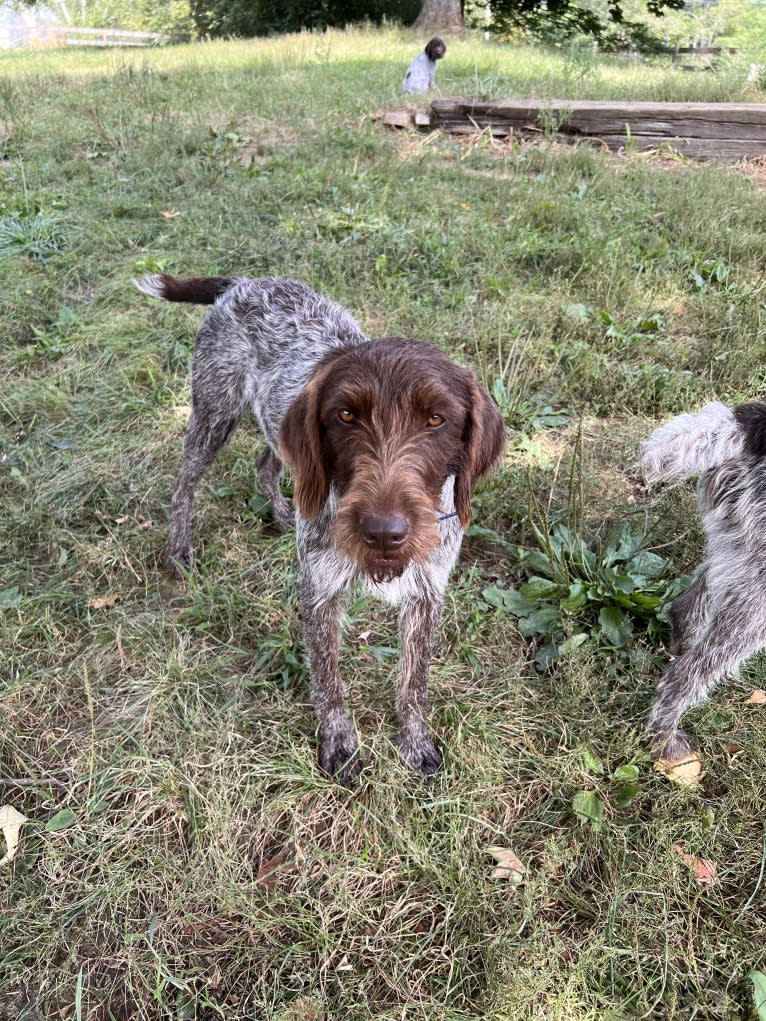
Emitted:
<point x="602" y="462"/>
<point x="610" y="462"/>
<point x="754" y="170"/>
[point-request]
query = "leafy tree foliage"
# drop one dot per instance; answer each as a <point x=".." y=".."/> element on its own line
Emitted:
<point x="266" y="17"/>
<point x="551" y="20"/>
<point x="228" y="17"/>
<point x="614" y="24"/>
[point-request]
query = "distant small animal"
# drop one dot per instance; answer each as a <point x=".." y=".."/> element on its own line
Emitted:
<point x="421" y="74"/>
<point x="720" y="621"/>
<point x="386" y="440"/>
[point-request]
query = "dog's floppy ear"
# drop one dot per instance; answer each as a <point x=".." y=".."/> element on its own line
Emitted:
<point x="484" y="442"/>
<point x="302" y="449"/>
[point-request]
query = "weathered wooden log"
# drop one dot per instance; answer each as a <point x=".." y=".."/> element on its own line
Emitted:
<point x="706" y="50"/>
<point x="400" y="118"/>
<point x="404" y="117"/>
<point x="701" y="130"/>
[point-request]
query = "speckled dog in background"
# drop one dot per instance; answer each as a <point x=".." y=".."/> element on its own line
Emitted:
<point x="421" y="74"/>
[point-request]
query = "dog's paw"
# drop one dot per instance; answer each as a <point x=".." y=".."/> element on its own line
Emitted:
<point x="283" y="516"/>
<point x="177" y="561"/>
<point x="341" y="759"/>
<point x="421" y="755"/>
<point x="674" y="747"/>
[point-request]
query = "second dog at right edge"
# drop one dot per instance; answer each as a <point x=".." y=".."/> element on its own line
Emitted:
<point x="720" y="621"/>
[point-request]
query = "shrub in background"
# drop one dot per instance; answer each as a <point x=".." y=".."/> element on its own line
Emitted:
<point x="267" y="17"/>
<point x="170" y="17"/>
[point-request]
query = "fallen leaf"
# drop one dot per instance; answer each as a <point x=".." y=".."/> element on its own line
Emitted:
<point x="169" y="214"/>
<point x="757" y="698"/>
<point x="703" y="869"/>
<point x="732" y="749"/>
<point x="11" y="822"/>
<point x="101" y="602"/>
<point x="508" y="865"/>
<point x="686" y="771"/>
<point x="305" y="1008"/>
<point x="270" y="870"/>
<point x="345" y="964"/>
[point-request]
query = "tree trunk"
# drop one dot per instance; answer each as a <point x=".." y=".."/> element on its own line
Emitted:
<point x="440" y="14"/>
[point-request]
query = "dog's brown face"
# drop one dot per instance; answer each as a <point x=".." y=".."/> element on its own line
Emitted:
<point x="386" y="424"/>
<point x="435" y="48"/>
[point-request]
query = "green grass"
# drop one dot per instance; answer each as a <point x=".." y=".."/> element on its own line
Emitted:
<point x="210" y="871"/>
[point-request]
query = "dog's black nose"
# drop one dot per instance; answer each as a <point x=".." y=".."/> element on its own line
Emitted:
<point x="384" y="531"/>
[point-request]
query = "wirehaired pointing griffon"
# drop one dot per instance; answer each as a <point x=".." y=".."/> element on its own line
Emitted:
<point x="720" y="621"/>
<point x="421" y="74"/>
<point x="386" y="440"/>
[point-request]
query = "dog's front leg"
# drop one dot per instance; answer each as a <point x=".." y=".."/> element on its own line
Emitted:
<point x="418" y="624"/>
<point x="320" y="618"/>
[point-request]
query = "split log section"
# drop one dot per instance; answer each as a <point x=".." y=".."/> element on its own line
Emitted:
<point x="725" y="131"/>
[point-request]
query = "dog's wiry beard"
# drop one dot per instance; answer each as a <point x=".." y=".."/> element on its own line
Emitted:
<point x="373" y="490"/>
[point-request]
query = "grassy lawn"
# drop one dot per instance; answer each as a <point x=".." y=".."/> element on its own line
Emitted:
<point x="183" y="857"/>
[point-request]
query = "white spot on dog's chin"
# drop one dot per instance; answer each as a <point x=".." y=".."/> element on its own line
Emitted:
<point x="394" y="590"/>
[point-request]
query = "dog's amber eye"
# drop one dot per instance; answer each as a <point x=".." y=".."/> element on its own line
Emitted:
<point x="346" y="416"/>
<point x="434" y="421"/>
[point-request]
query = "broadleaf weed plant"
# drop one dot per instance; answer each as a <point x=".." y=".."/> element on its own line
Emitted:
<point x="612" y="589"/>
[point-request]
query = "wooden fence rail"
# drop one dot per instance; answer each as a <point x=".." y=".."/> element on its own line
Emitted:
<point x="67" y="36"/>
<point x="701" y="130"/>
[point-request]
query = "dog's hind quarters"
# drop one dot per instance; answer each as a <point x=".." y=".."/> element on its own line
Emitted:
<point x="720" y="621"/>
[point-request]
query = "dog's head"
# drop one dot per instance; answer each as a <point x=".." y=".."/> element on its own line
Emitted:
<point x="386" y="424"/>
<point x="435" y="48"/>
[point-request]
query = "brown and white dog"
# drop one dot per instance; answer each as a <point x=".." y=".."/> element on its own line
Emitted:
<point x="386" y="440"/>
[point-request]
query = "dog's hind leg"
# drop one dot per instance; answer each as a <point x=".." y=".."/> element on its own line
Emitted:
<point x="206" y="433"/>
<point x="735" y="632"/>
<point x="269" y="470"/>
<point x="418" y="624"/>
<point x="688" y="612"/>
